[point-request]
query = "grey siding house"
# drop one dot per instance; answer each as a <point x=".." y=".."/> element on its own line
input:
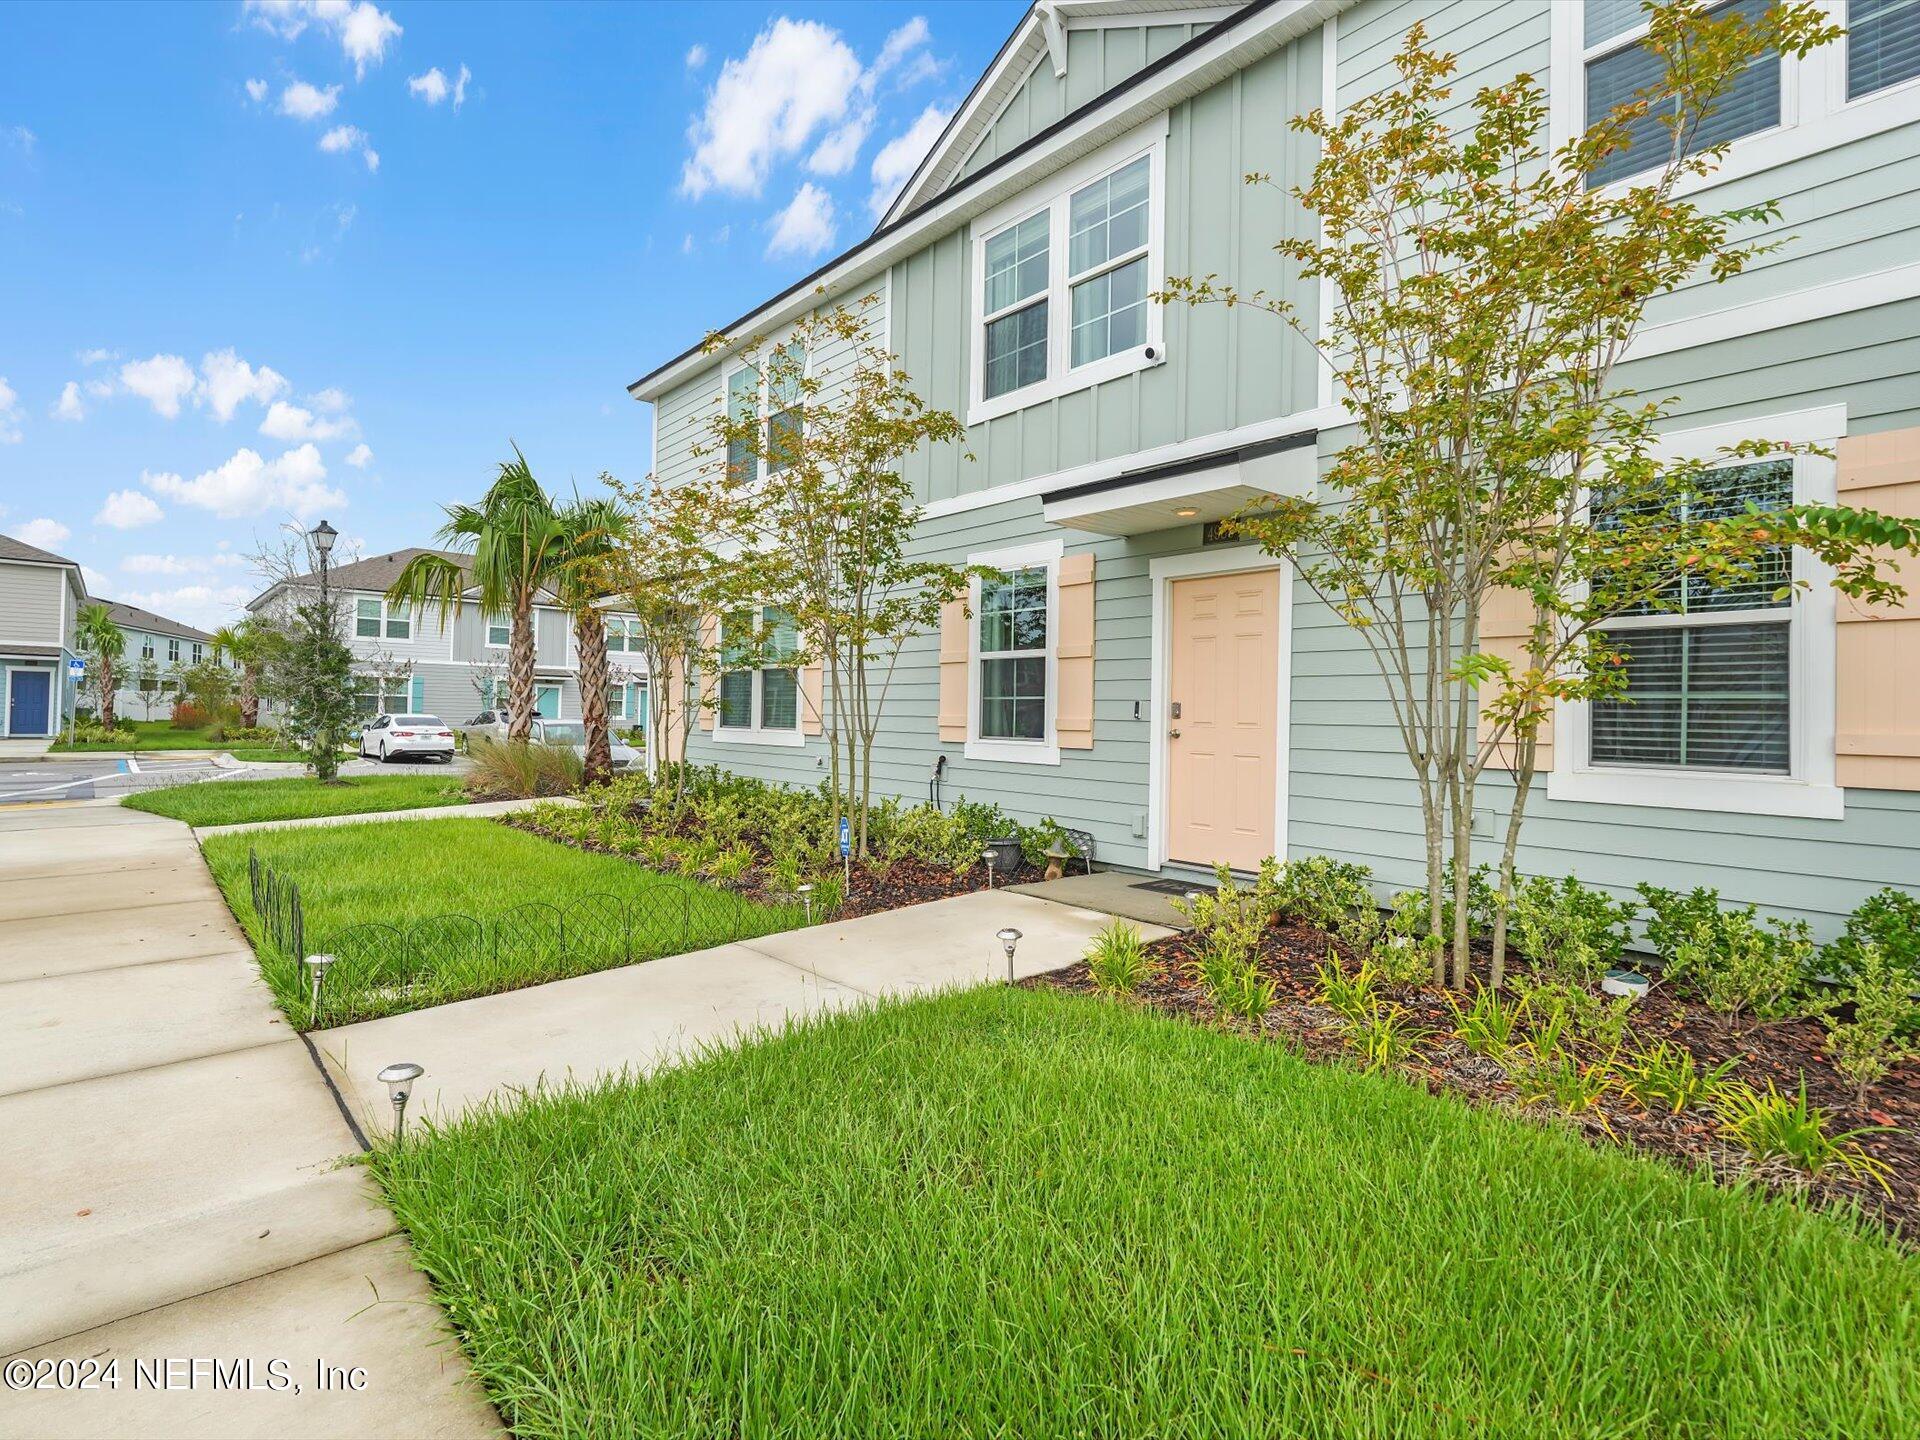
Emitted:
<point x="409" y="659"/>
<point x="40" y="598"/>
<point x="1188" y="702"/>
<point x="157" y="650"/>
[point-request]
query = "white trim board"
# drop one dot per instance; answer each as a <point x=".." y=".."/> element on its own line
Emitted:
<point x="1796" y="307"/>
<point x="1161" y="572"/>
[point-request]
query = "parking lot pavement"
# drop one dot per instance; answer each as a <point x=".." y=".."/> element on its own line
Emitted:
<point x="87" y="777"/>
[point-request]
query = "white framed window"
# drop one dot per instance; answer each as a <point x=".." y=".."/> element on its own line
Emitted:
<point x="373" y="696"/>
<point x="623" y="635"/>
<point x="1013" y="656"/>
<point x="1729" y="699"/>
<point x="173" y="651"/>
<point x="1061" y="276"/>
<point x="199" y="652"/>
<point x="1781" y="108"/>
<point x="776" y="402"/>
<point x="374" y="619"/>
<point x="759" y="703"/>
<point x="146" y="647"/>
<point x="499" y="632"/>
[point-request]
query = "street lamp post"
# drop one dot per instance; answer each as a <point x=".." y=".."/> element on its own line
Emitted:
<point x="323" y="535"/>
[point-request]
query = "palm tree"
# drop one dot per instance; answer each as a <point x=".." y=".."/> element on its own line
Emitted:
<point x="105" y="642"/>
<point x="246" y="644"/>
<point x="516" y="545"/>
<point x="592" y="528"/>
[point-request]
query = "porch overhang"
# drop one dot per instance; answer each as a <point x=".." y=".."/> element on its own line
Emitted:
<point x="1192" y="491"/>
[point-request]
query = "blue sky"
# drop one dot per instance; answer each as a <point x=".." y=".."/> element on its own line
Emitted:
<point x="262" y="262"/>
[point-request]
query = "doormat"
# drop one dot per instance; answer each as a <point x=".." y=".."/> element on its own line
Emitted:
<point x="1168" y="887"/>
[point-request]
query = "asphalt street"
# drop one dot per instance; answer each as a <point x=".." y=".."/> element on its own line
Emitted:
<point x="86" y="777"/>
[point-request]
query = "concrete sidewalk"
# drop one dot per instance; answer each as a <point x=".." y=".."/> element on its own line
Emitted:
<point x="176" y="1180"/>
<point x="483" y="810"/>
<point x="641" y="1017"/>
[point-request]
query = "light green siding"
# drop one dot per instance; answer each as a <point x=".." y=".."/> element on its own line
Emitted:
<point x="1097" y="60"/>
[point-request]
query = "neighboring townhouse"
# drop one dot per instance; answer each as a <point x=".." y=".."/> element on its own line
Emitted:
<point x="149" y="668"/>
<point x="40" y="598"/>
<point x="1187" y="701"/>
<point x="408" y="658"/>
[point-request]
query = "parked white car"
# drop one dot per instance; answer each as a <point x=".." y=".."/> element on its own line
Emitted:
<point x="492" y="725"/>
<point x="396" y="737"/>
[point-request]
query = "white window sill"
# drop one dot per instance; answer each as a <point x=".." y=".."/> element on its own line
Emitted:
<point x="1015" y="752"/>
<point x="738" y="735"/>
<point x="1700" y="790"/>
<point x="1094" y="372"/>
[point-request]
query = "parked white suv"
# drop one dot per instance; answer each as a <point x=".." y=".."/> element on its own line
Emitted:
<point x="395" y="737"/>
<point x="492" y="725"/>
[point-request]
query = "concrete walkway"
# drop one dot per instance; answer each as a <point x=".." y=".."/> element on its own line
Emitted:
<point x="641" y="1017"/>
<point x="175" y="1177"/>
<point x="485" y="809"/>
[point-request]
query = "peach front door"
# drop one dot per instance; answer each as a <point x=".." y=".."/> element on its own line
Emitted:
<point x="1223" y="718"/>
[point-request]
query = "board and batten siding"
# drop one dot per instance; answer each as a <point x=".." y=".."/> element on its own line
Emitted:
<point x="1098" y="59"/>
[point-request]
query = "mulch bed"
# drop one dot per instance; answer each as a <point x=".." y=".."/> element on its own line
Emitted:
<point x="1782" y="1052"/>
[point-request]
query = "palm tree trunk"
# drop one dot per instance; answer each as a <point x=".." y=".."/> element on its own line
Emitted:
<point x="520" y="673"/>
<point x="106" y="691"/>
<point x="249" y="697"/>
<point x="590" y="639"/>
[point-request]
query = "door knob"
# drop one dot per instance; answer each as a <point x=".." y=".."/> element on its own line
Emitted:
<point x="1173" y="734"/>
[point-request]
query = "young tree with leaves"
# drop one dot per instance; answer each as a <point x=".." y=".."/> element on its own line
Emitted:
<point x="812" y="492"/>
<point x="102" y="643"/>
<point x="1485" y="292"/>
<point x="516" y="543"/>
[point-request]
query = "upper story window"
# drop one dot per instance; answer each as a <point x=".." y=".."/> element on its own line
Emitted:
<point x="173" y="651"/>
<point x="199" y="652"/>
<point x="1883" y="45"/>
<point x="623" y="635"/>
<point x="772" y="392"/>
<point x="1062" y="275"/>
<point x="146" y="647"/>
<point x="499" y="632"/>
<point x="759" y="689"/>
<point x="374" y="619"/>
<point x="1779" y="109"/>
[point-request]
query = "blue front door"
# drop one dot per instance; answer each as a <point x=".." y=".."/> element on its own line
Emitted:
<point x="27" y="702"/>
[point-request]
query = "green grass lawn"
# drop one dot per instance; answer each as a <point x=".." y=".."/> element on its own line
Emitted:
<point x="1021" y="1213"/>
<point x="159" y="735"/>
<point x="235" y="802"/>
<point x="422" y="912"/>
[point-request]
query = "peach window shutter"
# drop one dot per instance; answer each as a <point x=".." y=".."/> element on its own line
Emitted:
<point x="709" y="671"/>
<point x="812" y="697"/>
<point x="1877" y="647"/>
<point x="1506" y="619"/>
<point x="1073" y="717"/>
<point x="953" y="670"/>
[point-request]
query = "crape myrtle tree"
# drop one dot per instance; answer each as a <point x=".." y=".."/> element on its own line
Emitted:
<point x="1484" y="291"/>
<point x="661" y="568"/>
<point x="803" y="483"/>
<point x="515" y="544"/>
<point x="102" y="643"/>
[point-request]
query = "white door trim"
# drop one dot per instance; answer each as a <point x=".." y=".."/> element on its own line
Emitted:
<point x="1162" y="572"/>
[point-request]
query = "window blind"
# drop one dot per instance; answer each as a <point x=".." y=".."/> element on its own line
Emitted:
<point x="1883" y="44"/>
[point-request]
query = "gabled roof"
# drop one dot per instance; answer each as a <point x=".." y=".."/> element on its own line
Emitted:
<point x="375" y="573"/>
<point x="1040" y="35"/>
<point x="132" y="617"/>
<point x="12" y="549"/>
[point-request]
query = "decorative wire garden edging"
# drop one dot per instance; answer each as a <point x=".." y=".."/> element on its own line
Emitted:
<point x="379" y="968"/>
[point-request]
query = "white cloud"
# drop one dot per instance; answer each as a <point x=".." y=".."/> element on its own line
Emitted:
<point x="21" y="138"/>
<point x="256" y="90"/>
<point x="207" y="606"/>
<point x="433" y="86"/>
<point x="901" y="43"/>
<point x="128" y="510"/>
<point x="805" y="227"/>
<point x="251" y="485"/>
<point x="795" y="80"/>
<point x="330" y="401"/>
<point x="42" y="533"/>
<point x="295" y="422"/>
<point x="163" y="381"/>
<point x="835" y="154"/>
<point x="227" y="380"/>
<point x="308" y="102"/>
<point x="96" y="356"/>
<point x="686" y="243"/>
<point x="100" y="389"/>
<point x="360" y="456"/>
<point x="696" y="57"/>
<point x="179" y="564"/>
<point x="901" y="156"/>
<point x="70" y="407"/>
<point x="9" y="414"/>
<point x="344" y="139"/>
<point x="93" y="581"/>
<point x="363" y="29"/>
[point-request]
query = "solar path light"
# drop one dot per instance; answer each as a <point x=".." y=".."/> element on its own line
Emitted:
<point x="317" y="968"/>
<point x="987" y="855"/>
<point x="1009" y="938"/>
<point x="399" y="1078"/>
<point x="806" y="898"/>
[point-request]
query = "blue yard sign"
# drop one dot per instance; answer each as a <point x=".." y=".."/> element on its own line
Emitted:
<point x="76" y="667"/>
<point x="846" y="836"/>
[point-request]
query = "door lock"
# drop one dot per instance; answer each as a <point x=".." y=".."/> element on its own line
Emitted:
<point x="1173" y="734"/>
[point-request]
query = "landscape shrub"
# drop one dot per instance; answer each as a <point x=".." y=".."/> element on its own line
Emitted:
<point x="1491" y="1025"/>
<point x="1739" y="966"/>
<point x="1882" y="1017"/>
<point x="1118" y="961"/>
<point x="1333" y="895"/>
<point x="1769" y="1125"/>
<point x="1888" y="920"/>
<point x="518" y="770"/>
<point x="1672" y="916"/>
<point x="1567" y="928"/>
<point x="1666" y="1076"/>
<point x="189" y="716"/>
<point x="92" y="732"/>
